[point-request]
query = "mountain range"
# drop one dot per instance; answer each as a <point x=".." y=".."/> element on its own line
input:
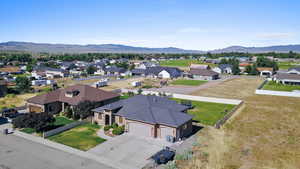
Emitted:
<point x="116" y="48"/>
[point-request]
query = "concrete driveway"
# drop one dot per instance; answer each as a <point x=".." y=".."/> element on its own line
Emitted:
<point x="129" y="151"/>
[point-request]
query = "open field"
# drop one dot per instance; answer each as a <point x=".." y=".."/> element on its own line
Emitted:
<point x="263" y="134"/>
<point x="183" y="63"/>
<point x="83" y="137"/>
<point x="12" y="100"/>
<point x="188" y="82"/>
<point x="280" y="87"/>
<point x="208" y="113"/>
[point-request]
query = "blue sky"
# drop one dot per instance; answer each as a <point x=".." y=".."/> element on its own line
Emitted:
<point x="189" y="24"/>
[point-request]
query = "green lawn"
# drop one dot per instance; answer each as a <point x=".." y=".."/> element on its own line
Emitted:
<point x="188" y="82"/>
<point x="280" y="87"/>
<point x="28" y="130"/>
<point x="287" y="65"/>
<point x="83" y="137"/>
<point x="208" y="113"/>
<point x="182" y="63"/>
<point x="61" y="121"/>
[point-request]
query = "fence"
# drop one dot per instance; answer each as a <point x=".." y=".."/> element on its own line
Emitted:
<point x="227" y="116"/>
<point x="189" y="97"/>
<point x="62" y="129"/>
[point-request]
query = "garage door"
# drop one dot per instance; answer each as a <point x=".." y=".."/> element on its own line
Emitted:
<point x="140" y="129"/>
<point x="166" y="131"/>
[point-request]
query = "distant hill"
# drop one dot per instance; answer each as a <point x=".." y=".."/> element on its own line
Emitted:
<point x="103" y="48"/>
<point x="116" y="48"/>
<point x="279" y="49"/>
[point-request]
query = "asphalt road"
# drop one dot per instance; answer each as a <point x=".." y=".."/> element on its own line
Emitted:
<point x="18" y="153"/>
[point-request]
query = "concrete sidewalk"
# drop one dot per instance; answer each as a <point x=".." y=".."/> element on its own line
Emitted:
<point x="108" y="162"/>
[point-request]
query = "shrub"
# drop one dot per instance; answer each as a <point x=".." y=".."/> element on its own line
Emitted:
<point x="106" y="128"/>
<point x="187" y="155"/>
<point x="114" y="125"/>
<point x="118" y="130"/>
<point x="171" y="165"/>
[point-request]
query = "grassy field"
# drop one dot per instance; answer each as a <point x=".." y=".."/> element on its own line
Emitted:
<point x="188" y="82"/>
<point x="12" y="100"/>
<point x="280" y="87"/>
<point x="287" y="65"/>
<point x="262" y="135"/>
<point x="83" y="137"/>
<point x="182" y="63"/>
<point x="208" y="113"/>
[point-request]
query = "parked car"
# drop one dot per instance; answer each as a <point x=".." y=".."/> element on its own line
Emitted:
<point x="163" y="156"/>
<point x="3" y="120"/>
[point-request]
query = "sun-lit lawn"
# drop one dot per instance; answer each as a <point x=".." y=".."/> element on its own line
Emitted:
<point x="287" y="65"/>
<point x="188" y="82"/>
<point x="280" y="87"/>
<point x="28" y="130"/>
<point x="83" y="137"/>
<point x="61" y="121"/>
<point x="208" y="113"/>
<point x="182" y="63"/>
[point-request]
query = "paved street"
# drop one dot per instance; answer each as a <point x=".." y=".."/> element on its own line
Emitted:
<point x="18" y="153"/>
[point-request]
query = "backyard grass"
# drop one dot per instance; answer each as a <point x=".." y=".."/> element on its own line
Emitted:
<point x="280" y="87"/>
<point x="83" y="137"/>
<point x="208" y="113"/>
<point x="188" y="82"/>
<point x="287" y="65"/>
<point x="182" y="63"/>
<point x="61" y="121"/>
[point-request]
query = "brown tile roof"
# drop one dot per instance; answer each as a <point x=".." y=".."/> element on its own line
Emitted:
<point x="265" y="69"/>
<point x="203" y="72"/>
<point x="86" y="93"/>
<point x="287" y="76"/>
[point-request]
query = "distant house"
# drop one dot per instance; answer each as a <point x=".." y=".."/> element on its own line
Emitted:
<point x="145" y="65"/>
<point x="203" y="74"/>
<point x="42" y="82"/>
<point x="114" y="70"/>
<point x="213" y="61"/>
<point x="163" y="72"/>
<point x="66" y="65"/>
<point x="53" y="73"/>
<point x="294" y="70"/>
<point x="265" y="71"/>
<point x="287" y="78"/>
<point x="138" y="72"/>
<point x="147" y="116"/>
<point x="243" y="65"/>
<point x="223" y="68"/>
<point x="200" y="66"/>
<point x="58" y="100"/>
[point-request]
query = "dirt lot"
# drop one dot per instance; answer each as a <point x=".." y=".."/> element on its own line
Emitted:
<point x="15" y="100"/>
<point x="263" y="135"/>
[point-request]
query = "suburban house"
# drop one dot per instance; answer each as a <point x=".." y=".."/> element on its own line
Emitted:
<point x="67" y="65"/>
<point x="199" y="66"/>
<point x="10" y="70"/>
<point x="42" y="82"/>
<point x="287" y="78"/>
<point x="147" y="116"/>
<point x="294" y="70"/>
<point x="114" y="70"/>
<point x="56" y="101"/>
<point x="163" y="72"/>
<point x="265" y="71"/>
<point x="138" y="72"/>
<point x="145" y="65"/>
<point x="53" y="73"/>
<point x="203" y="74"/>
<point x="223" y="68"/>
<point x="243" y="65"/>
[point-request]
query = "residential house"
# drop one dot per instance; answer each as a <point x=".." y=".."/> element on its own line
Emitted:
<point x="43" y="82"/>
<point x="203" y="74"/>
<point x="147" y="116"/>
<point x="287" y="78"/>
<point x="113" y="70"/>
<point x="67" y="65"/>
<point x="138" y="72"/>
<point x="145" y="65"/>
<point x="223" y="68"/>
<point x="163" y="72"/>
<point x="58" y="100"/>
<point x="10" y="70"/>
<point x="265" y="71"/>
<point x="199" y="66"/>
<point x="294" y="70"/>
<point x="243" y="65"/>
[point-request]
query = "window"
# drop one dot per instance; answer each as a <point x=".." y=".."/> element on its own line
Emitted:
<point x="184" y="126"/>
<point x="120" y="120"/>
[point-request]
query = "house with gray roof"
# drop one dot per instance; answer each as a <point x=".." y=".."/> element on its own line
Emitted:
<point x="163" y="72"/>
<point x="294" y="70"/>
<point x="203" y="74"/>
<point x="147" y="116"/>
<point x="287" y="78"/>
<point x="223" y="68"/>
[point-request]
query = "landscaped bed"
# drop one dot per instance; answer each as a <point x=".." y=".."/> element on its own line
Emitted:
<point x="280" y="87"/>
<point x="208" y="113"/>
<point x="83" y="137"/>
<point x="188" y="82"/>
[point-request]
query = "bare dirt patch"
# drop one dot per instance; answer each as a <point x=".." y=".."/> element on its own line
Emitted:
<point x="263" y="135"/>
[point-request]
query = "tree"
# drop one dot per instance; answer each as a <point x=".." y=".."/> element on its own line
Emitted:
<point x="38" y="121"/>
<point x="83" y="110"/>
<point x="254" y="70"/>
<point x="29" y="68"/>
<point x="91" y="70"/>
<point x="248" y="69"/>
<point x="23" y="84"/>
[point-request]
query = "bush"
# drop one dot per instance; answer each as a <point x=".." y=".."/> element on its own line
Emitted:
<point x="118" y="130"/>
<point x="106" y="128"/>
<point x="171" y="165"/>
<point x="114" y="125"/>
<point x="187" y="155"/>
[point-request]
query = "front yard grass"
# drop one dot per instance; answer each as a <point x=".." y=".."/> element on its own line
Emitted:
<point x="280" y="87"/>
<point x="83" y="137"/>
<point x="188" y="82"/>
<point x="28" y="130"/>
<point x="61" y="121"/>
<point x="208" y="113"/>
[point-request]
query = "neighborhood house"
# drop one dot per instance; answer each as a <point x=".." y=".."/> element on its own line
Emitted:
<point x="147" y="116"/>
<point x="57" y="100"/>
